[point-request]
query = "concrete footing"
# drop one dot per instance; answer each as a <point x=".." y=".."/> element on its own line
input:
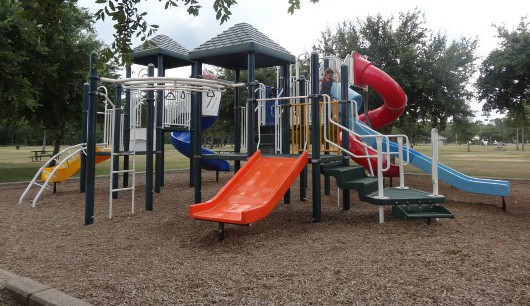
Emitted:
<point x="29" y="292"/>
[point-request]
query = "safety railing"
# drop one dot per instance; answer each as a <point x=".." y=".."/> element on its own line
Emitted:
<point x="177" y="108"/>
<point x="108" y="116"/>
<point x="295" y="110"/>
<point x="300" y="125"/>
<point x="382" y="152"/>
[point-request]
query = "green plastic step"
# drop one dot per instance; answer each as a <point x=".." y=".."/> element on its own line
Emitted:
<point x="344" y="172"/>
<point x="364" y="185"/>
<point x="403" y="196"/>
<point x="328" y="160"/>
<point x="351" y="177"/>
<point x="421" y="212"/>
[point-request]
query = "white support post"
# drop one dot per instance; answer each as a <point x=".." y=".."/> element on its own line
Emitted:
<point x="381" y="214"/>
<point x="434" y="140"/>
<point x="380" y="184"/>
<point x="401" y="170"/>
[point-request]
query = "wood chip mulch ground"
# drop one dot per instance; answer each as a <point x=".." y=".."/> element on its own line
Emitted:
<point x="482" y="257"/>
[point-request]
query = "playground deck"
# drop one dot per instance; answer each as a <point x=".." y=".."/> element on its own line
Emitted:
<point x="164" y="257"/>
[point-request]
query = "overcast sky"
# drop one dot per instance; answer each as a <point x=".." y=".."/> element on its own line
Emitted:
<point x="299" y="32"/>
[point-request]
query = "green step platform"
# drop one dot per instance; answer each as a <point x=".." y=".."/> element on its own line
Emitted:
<point x="403" y="196"/>
<point x="351" y="177"/>
<point x="407" y="203"/>
<point x="420" y="212"/>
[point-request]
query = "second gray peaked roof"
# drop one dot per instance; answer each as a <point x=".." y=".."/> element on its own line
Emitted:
<point x="174" y="54"/>
<point x="230" y="49"/>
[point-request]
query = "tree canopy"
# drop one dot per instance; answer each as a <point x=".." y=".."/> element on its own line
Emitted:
<point x="18" y="44"/>
<point x="49" y="43"/>
<point x="504" y="81"/>
<point x="433" y="71"/>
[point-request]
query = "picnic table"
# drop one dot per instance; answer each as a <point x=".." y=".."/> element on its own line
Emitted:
<point x="39" y="154"/>
<point x="499" y="148"/>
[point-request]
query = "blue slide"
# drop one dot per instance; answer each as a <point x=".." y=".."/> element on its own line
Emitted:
<point x="445" y="173"/>
<point x="181" y="142"/>
<point x="352" y="94"/>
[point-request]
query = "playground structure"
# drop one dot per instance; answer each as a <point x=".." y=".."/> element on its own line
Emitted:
<point x="303" y="128"/>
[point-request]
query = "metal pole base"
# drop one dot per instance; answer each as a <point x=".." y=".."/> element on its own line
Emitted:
<point x="221" y="231"/>
<point x="381" y="214"/>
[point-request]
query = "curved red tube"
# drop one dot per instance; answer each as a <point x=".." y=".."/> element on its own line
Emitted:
<point x="395" y="101"/>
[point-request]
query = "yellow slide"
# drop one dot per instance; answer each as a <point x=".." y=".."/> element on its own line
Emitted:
<point x="70" y="167"/>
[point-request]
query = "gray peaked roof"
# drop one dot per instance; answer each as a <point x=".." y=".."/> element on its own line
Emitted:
<point x="230" y="49"/>
<point x="174" y="54"/>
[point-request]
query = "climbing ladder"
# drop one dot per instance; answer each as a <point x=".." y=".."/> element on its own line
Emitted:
<point x="135" y="125"/>
<point x="131" y="171"/>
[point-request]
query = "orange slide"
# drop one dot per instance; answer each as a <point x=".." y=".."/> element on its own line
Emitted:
<point x="70" y="167"/>
<point x="253" y="192"/>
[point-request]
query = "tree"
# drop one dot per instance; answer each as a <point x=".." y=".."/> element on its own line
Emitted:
<point x="464" y="129"/>
<point x="497" y="130"/>
<point x="504" y="81"/>
<point x="519" y="120"/>
<point x="56" y="66"/>
<point x="417" y="132"/>
<point x="129" y="21"/>
<point x="432" y="71"/>
<point x="18" y="45"/>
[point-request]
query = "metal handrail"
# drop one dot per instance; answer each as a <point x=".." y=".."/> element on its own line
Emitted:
<point x="379" y="145"/>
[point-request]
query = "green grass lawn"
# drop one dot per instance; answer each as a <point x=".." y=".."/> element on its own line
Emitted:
<point x="482" y="161"/>
<point x="15" y="165"/>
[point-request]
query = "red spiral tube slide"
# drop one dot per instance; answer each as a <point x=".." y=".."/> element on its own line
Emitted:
<point x="395" y="101"/>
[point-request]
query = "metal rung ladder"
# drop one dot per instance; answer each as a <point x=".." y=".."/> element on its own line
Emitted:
<point x="131" y="171"/>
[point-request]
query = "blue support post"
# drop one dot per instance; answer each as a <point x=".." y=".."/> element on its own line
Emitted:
<point x="116" y="136"/>
<point x="91" y="142"/>
<point x="127" y="130"/>
<point x="84" y="128"/>
<point x="315" y="140"/>
<point x="344" y="121"/>
<point x="149" y="146"/>
<point x="251" y="133"/>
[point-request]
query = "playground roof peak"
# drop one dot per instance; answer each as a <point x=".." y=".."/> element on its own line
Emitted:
<point x="230" y="49"/>
<point x="173" y="53"/>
